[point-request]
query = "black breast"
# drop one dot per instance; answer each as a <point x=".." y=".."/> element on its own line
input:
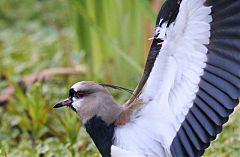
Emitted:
<point x="101" y="134"/>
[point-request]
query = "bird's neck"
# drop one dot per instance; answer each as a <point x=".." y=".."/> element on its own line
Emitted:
<point x="101" y="134"/>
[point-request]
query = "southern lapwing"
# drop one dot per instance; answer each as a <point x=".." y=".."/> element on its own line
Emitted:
<point x="190" y="86"/>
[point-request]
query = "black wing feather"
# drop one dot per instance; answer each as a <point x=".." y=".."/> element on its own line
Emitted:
<point x="222" y="85"/>
<point x="234" y="80"/>
<point x="168" y="13"/>
<point x="214" y="104"/>
<point x="210" y="113"/>
<point x="219" y="88"/>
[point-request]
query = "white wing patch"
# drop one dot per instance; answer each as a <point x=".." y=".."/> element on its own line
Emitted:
<point x="172" y="84"/>
<point x="161" y="31"/>
<point x="118" y="152"/>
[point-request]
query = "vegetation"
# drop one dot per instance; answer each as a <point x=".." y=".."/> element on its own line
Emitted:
<point x="109" y="37"/>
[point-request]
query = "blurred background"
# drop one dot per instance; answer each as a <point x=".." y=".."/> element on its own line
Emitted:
<point x="47" y="45"/>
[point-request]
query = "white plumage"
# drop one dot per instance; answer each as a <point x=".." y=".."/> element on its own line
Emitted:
<point x="118" y="152"/>
<point x="172" y="85"/>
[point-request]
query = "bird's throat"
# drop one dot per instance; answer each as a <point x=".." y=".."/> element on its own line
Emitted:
<point x="101" y="134"/>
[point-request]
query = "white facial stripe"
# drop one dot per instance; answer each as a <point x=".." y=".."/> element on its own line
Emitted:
<point x="76" y="86"/>
<point x="76" y="103"/>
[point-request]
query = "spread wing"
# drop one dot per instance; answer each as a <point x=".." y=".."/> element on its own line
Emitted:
<point x="191" y="81"/>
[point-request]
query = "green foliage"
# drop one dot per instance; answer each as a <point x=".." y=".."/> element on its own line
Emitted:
<point x="112" y="34"/>
<point x="111" y="39"/>
<point x="227" y="143"/>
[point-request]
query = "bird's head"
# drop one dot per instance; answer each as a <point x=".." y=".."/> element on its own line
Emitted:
<point x="89" y="99"/>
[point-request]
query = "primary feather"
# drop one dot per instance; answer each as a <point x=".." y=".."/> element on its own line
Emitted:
<point x="193" y="84"/>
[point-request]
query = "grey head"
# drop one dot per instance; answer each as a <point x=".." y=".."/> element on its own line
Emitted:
<point x="91" y="99"/>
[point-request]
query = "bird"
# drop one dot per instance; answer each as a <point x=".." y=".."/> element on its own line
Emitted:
<point x="189" y="87"/>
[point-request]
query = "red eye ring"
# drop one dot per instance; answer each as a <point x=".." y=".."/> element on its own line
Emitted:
<point x="79" y="95"/>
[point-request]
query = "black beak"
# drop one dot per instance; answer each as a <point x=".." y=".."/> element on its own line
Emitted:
<point x="65" y="102"/>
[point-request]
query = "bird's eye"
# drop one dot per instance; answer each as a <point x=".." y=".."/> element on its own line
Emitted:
<point x="79" y="95"/>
